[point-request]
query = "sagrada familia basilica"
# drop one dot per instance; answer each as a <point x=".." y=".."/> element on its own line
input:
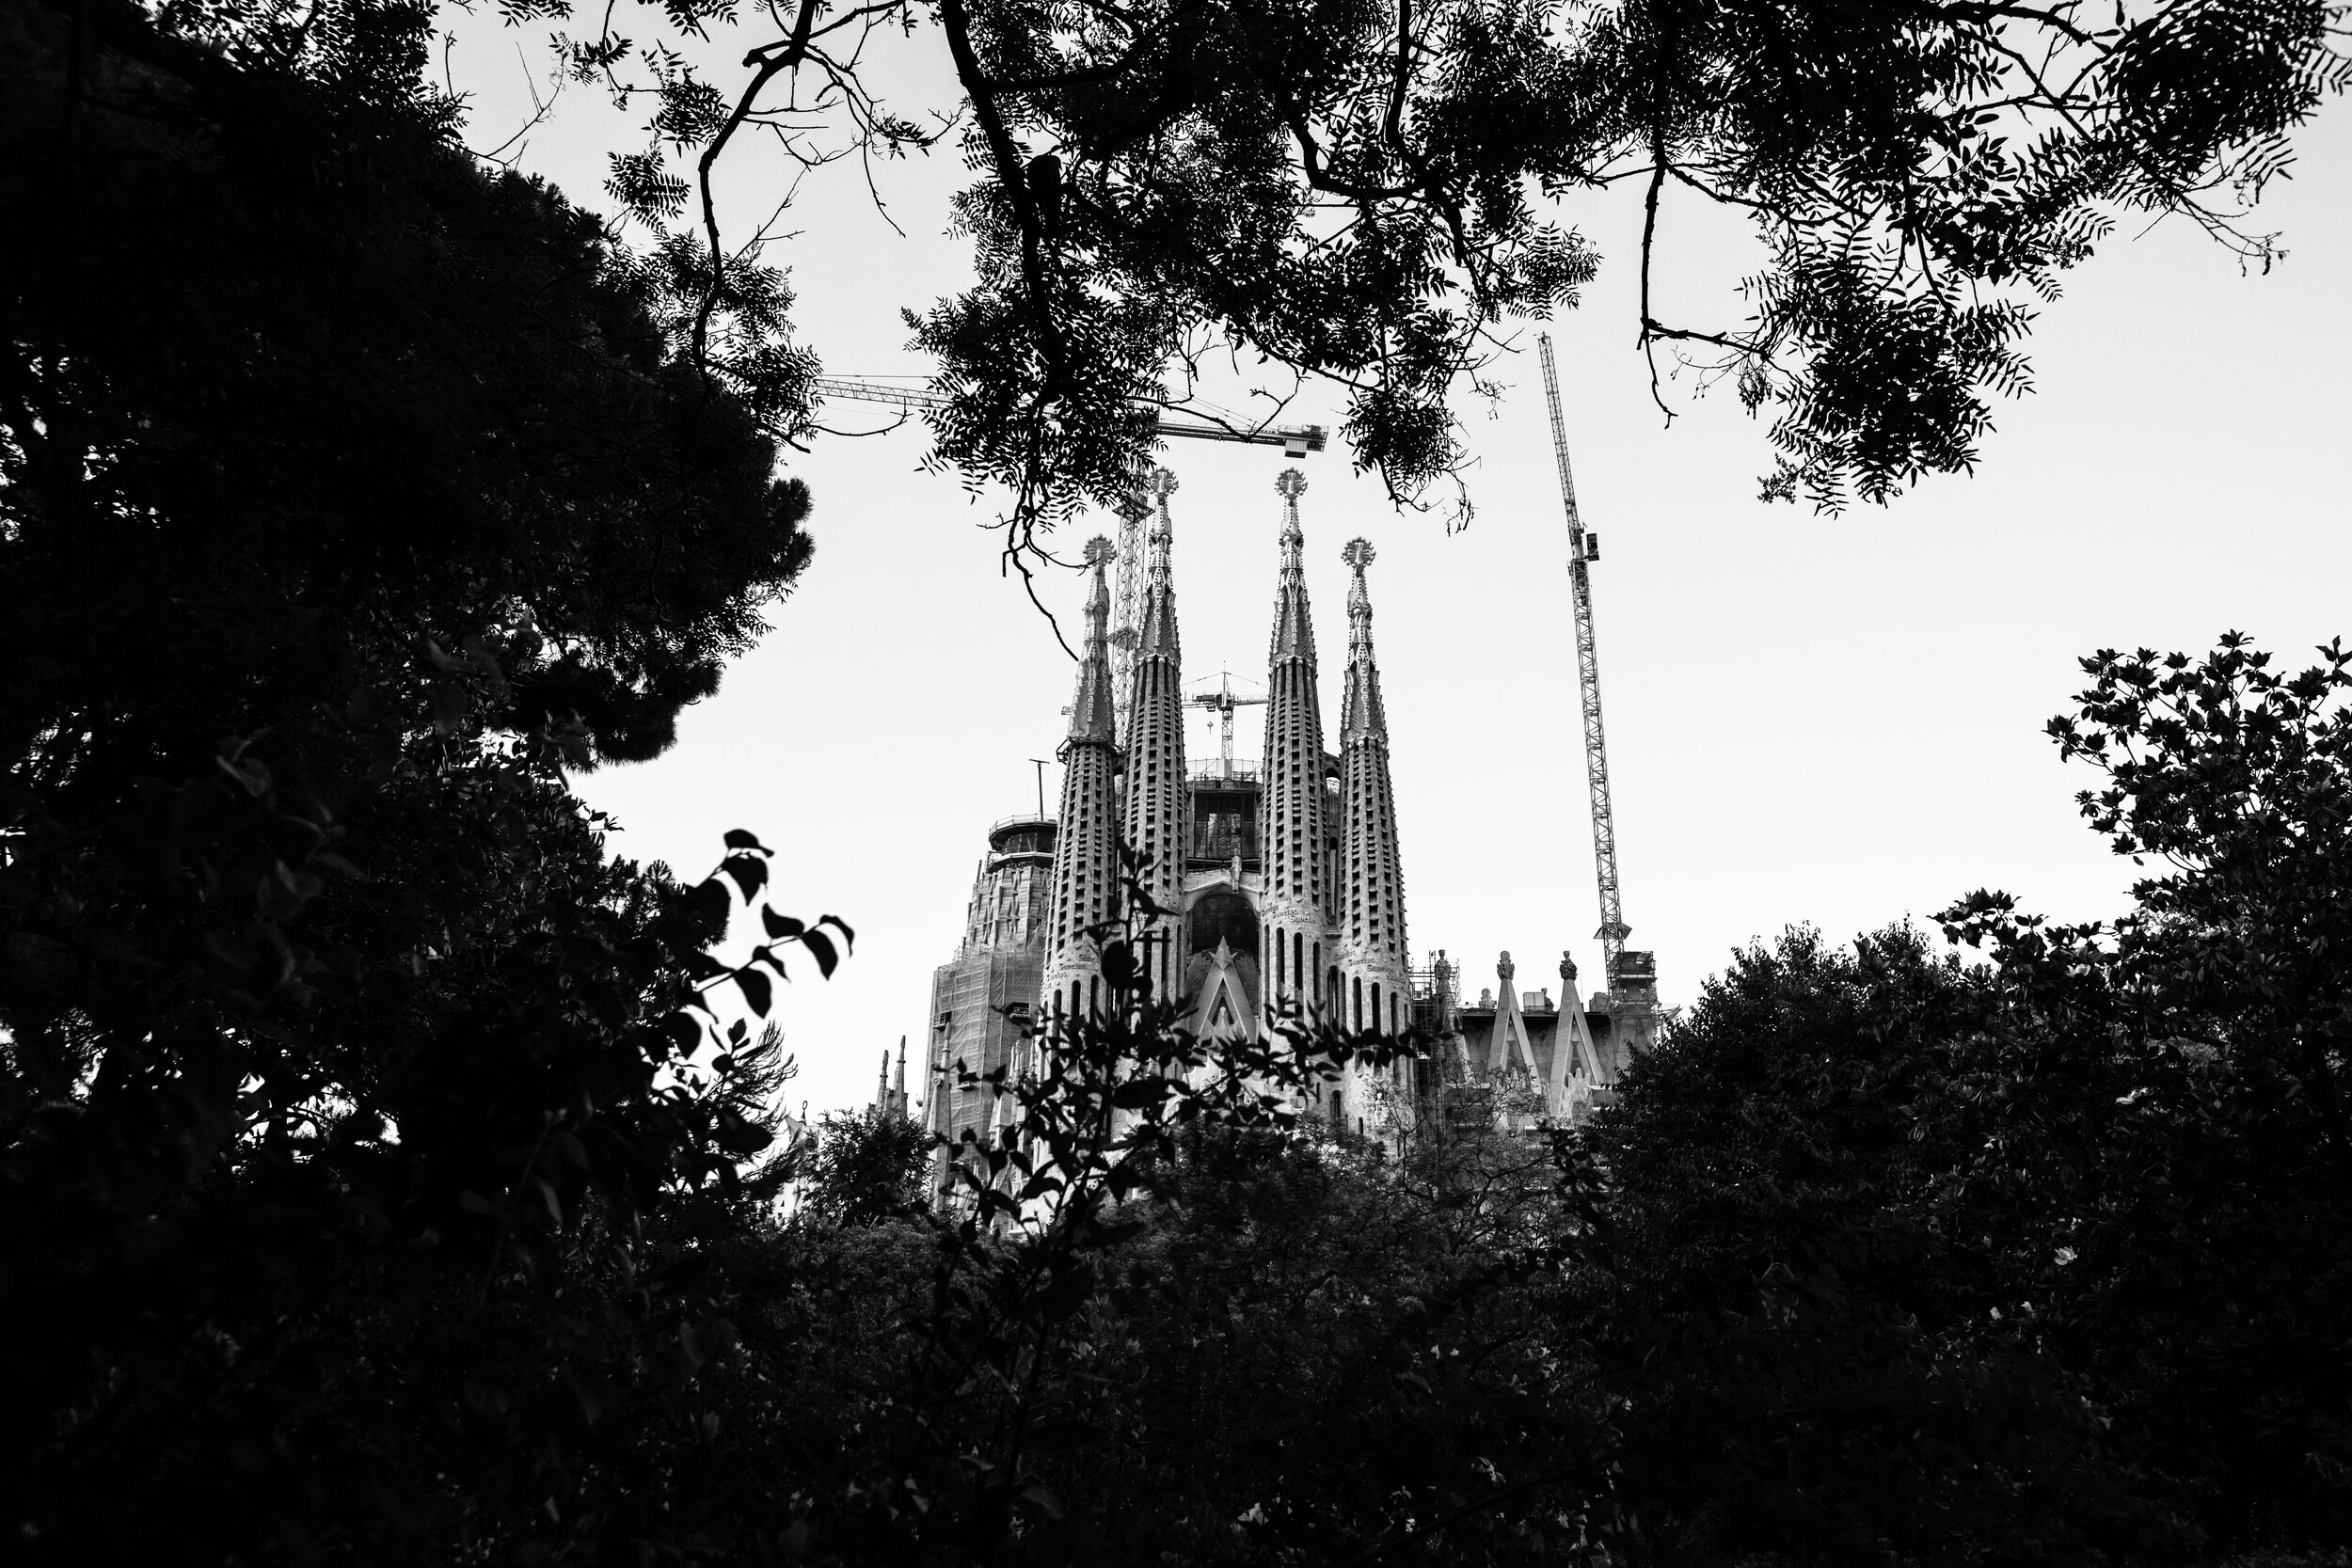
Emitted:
<point x="1284" y="879"/>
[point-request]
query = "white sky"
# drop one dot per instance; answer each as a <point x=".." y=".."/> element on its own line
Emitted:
<point x="1834" y="720"/>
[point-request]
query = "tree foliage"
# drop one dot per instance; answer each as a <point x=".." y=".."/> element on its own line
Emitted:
<point x="2032" y="1260"/>
<point x="366" y="1125"/>
<point x="1374" y="194"/>
<point x="386" y="1172"/>
<point x="868" y="1166"/>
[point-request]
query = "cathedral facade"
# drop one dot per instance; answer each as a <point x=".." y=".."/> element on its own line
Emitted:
<point x="1278" y="884"/>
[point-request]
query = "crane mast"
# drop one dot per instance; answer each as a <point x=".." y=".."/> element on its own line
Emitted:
<point x="1583" y="550"/>
<point x="1222" y="703"/>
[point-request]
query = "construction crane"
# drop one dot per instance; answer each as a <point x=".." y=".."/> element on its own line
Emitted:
<point x="1584" y="549"/>
<point x="1223" y="702"/>
<point x="1296" y="440"/>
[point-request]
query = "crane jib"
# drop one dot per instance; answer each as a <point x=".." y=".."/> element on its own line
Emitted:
<point x="1295" y="440"/>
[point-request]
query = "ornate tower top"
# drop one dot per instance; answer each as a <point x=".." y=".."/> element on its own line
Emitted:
<point x="1361" y="713"/>
<point x="1359" y="555"/>
<point x="1158" y="623"/>
<point x="1293" y="632"/>
<point x="1091" y="716"/>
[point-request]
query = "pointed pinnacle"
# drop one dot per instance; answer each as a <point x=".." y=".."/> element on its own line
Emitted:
<point x="1159" y="584"/>
<point x="1359" y="555"/>
<point x="1293" y="631"/>
<point x="1361" y="714"/>
<point x="1090" y="712"/>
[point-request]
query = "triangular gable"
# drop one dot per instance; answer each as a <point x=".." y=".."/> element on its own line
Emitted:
<point x="1576" y="1063"/>
<point x="1510" y="1047"/>
<point x="1223" y="1010"/>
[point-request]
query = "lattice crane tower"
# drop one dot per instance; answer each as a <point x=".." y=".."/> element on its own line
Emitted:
<point x="1584" y="549"/>
<point x="1222" y="703"/>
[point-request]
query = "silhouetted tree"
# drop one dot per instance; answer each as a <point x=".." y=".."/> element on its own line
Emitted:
<point x="869" y="1166"/>
<point x="1362" y="193"/>
<point x="2030" y="1259"/>
<point x="364" y="1134"/>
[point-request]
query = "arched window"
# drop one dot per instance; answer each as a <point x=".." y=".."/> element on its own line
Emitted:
<point x="1298" y="958"/>
<point x="1357" y="986"/>
<point x="1225" y="917"/>
<point x="1279" y="978"/>
<point x="1375" y="1005"/>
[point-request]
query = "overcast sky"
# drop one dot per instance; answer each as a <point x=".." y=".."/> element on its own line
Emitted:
<point x="1826" y="719"/>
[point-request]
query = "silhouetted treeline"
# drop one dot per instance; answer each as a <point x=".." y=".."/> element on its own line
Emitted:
<point x="379" y="1185"/>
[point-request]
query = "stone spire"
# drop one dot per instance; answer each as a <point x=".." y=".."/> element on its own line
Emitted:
<point x="1091" y="719"/>
<point x="1297" y="949"/>
<point x="889" y="1101"/>
<point x="1361" y="714"/>
<point x="1372" y="885"/>
<point x="1085" y="850"/>
<point x="1158" y="807"/>
<point x="1293" y="629"/>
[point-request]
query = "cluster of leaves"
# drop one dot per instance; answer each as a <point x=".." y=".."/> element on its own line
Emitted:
<point x="364" y="1128"/>
<point x="2035" y="1260"/>
<point x="1166" y="1316"/>
<point x="2240" y="780"/>
<point x="868" y="1167"/>
<point x="1333" y="189"/>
